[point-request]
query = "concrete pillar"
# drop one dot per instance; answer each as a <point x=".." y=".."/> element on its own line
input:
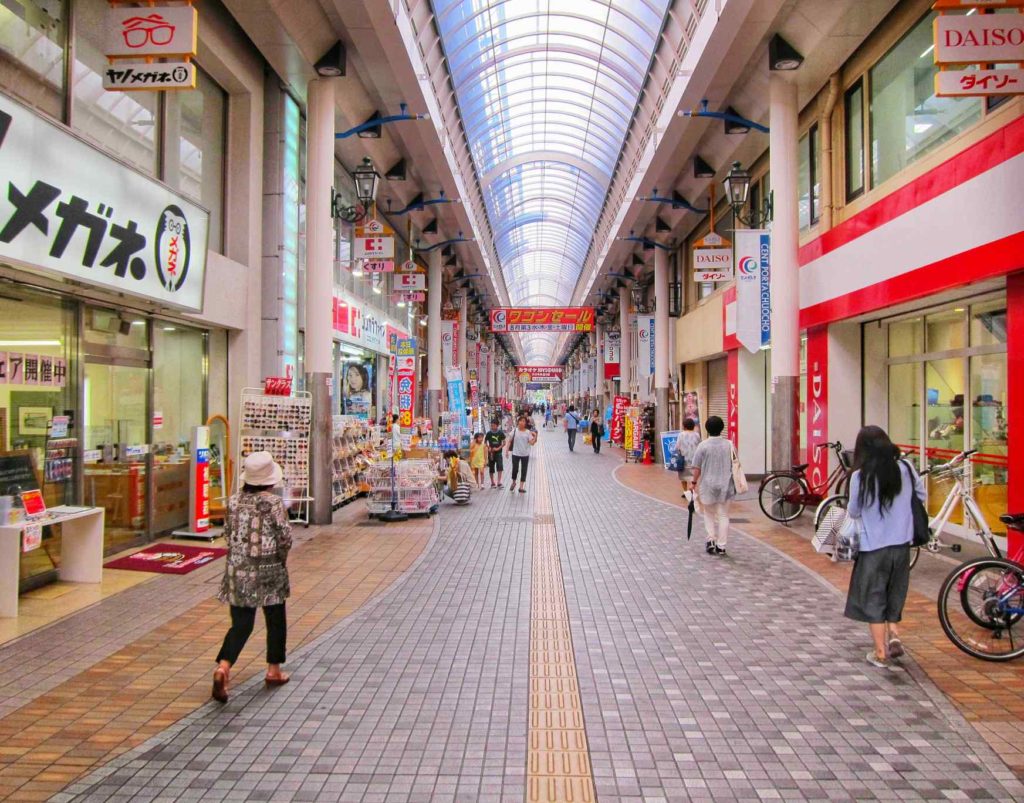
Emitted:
<point x="625" y="366"/>
<point x="599" y="371"/>
<point x="319" y="362"/>
<point x="785" y="233"/>
<point x="435" y="372"/>
<point x="463" y="361"/>
<point x="662" y="343"/>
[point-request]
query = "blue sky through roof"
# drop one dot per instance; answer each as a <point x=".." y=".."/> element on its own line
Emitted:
<point x="546" y="90"/>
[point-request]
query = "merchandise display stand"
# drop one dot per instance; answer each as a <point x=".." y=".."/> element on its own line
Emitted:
<point x="353" y="449"/>
<point x="280" y="425"/>
<point x="415" y="491"/>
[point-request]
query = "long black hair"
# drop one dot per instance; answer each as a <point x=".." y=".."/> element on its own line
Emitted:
<point x="877" y="458"/>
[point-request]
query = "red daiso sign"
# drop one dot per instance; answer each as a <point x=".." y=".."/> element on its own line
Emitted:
<point x="979" y="38"/>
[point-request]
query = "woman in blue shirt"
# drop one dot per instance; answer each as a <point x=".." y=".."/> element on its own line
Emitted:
<point x="880" y="498"/>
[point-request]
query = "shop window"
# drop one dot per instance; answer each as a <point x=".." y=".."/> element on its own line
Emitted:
<point x="179" y="377"/>
<point x="905" y="381"/>
<point x="989" y="435"/>
<point x="33" y="37"/>
<point x="907" y="119"/>
<point x="107" y="328"/>
<point x="854" y="114"/>
<point x="906" y="337"/>
<point x="808" y="185"/>
<point x="946" y="330"/>
<point x="127" y="124"/>
<point x="196" y="126"/>
<point x="988" y="324"/>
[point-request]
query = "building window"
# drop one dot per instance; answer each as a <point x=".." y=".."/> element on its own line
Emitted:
<point x="854" y="108"/>
<point x="808" y="182"/>
<point x="126" y="124"/>
<point x="907" y="119"/>
<point x="33" y="37"/>
<point x="196" y="127"/>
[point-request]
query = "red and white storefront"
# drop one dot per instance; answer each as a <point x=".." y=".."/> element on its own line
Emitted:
<point x="913" y="312"/>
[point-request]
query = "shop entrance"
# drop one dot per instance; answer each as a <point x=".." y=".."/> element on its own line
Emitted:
<point x="117" y="460"/>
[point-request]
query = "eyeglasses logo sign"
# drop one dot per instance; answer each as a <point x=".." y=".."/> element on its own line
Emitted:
<point x="173" y="248"/>
<point x="140" y="31"/>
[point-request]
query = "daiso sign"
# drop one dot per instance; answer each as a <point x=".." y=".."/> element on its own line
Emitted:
<point x="979" y="38"/>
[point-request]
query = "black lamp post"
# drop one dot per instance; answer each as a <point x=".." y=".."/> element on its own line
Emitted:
<point x="737" y="190"/>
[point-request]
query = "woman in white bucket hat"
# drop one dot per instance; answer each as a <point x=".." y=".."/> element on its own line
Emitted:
<point x="255" y="575"/>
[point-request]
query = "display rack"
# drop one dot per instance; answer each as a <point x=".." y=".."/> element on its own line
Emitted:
<point x="414" y="482"/>
<point x="280" y="425"/>
<point x="354" y="444"/>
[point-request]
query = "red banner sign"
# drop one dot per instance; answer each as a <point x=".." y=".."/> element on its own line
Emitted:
<point x="539" y="373"/>
<point x="619" y="406"/>
<point x="542" y="319"/>
<point x="405" y="359"/>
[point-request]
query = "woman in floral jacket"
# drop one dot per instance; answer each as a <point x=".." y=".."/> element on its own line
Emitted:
<point x="256" y="575"/>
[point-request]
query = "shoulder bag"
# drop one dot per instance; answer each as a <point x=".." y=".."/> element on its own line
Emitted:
<point x="739" y="479"/>
<point x="922" y="530"/>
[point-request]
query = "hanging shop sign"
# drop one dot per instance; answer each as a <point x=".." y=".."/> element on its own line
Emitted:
<point x="373" y="241"/>
<point x="449" y="343"/>
<point x="409" y="297"/>
<point x="152" y="32"/>
<point x="378" y="266"/>
<point x="612" y="351"/>
<point x="979" y="38"/>
<point x="753" y="292"/>
<point x="542" y="319"/>
<point x="147" y="77"/>
<point x="410" y="281"/>
<point x="549" y="374"/>
<point x="645" y="346"/>
<point x="66" y="208"/>
<point x="409" y="266"/>
<point x="405" y="370"/>
<point x="975" y="83"/>
<point x="712" y="259"/>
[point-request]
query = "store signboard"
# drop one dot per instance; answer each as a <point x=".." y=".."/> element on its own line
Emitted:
<point x="753" y="290"/>
<point x="405" y="371"/>
<point x="409" y="296"/>
<point x="979" y="38"/>
<point x="32" y="369"/>
<point x="620" y="404"/>
<point x="68" y="209"/>
<point x="612" y="350"/>
<point x="159" y="31"/>
<point x="976" y="83"/>
<point x="542" y="319"/>
<point x="120" y="77"/>
<point x="372" y="241"/>
<point x="715" y="261"/>
<point x="199" y="515"/>
<point x="378" y="266"/>
<point x="645" y="346"/>
<point x="410" y="281"/>
<point x="550" y="374"/>
<point x="375" y="333"/>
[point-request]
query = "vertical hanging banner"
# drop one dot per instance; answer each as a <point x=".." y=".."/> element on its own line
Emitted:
<point x="612" y="346"/>
<point x="644" y="352"/>
<point x="619" y="406"/>
<point x="457" y="394"/>
<point x="732" y="371"/>
<point x="449" y="340"/>
<point x="405" y="359"/>
<point x="753" y="289"/>
<point x="817" y="404"/>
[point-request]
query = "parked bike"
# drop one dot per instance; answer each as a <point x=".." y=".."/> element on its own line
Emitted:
<point x="784" y="495"/>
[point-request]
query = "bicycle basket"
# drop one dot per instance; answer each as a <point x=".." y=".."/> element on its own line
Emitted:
<point x="847" y="457"/>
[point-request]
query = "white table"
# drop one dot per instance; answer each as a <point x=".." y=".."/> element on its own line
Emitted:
<point x="81" y="553"/>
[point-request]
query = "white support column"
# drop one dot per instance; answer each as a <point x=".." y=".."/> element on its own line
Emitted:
<point x="463" y="361"/>
<point x="599" y="369"/>
<point x="661" y="344"/>
<point x="435" y="371"/>
<point x="785" y="233"/>
<point x="319" y="341"/>
<point x="624" y="344"/>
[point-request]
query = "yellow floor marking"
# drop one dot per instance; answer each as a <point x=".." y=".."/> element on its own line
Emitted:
<point x="558" y="760"/>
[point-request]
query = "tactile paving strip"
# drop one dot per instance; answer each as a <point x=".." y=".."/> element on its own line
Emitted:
<point x="557" y="758"/>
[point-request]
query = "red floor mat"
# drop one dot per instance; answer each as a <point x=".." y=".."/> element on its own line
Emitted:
<point x="167" y="559"/>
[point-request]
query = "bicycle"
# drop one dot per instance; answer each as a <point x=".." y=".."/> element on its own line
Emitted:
<point x="784" y="495"/>
<point x="832" y="511"/>
<point x="990" y="593"/>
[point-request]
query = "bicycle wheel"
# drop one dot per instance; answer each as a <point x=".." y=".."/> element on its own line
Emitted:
<point x="984" y="628"/>
<point x="781" y="496"/>
<point x="832" y="510"/>
<point x="915" y="553"/>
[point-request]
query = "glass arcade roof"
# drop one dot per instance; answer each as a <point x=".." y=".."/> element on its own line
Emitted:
<point x="546" y="90"/>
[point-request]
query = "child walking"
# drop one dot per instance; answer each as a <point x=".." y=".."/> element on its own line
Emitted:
<point x="478" y="459"/>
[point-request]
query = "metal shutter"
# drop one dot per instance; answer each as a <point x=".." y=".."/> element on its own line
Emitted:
<point x="718" y="390"/>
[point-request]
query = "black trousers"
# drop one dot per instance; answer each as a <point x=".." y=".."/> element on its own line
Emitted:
<point x="242" y="621"/>
<point x="597" y="443"/>
<point x="572" y="439"/>
<point x="520" y="463"/>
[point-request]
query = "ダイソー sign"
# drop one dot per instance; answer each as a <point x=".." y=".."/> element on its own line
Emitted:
<point x="979" y="38"/>
<point x="542" y="319"/>
<point x="549" y="374"/>
<point x="68" y="209"/>
<point x="974" y="83"/>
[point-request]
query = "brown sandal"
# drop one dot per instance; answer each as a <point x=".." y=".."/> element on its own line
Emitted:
<point x="280" y="680"/>
<point x="220" y="685"/>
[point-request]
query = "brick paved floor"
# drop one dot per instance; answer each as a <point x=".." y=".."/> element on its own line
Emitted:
<point x="700" y="678"/>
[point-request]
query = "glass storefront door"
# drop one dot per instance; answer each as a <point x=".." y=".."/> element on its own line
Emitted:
<point x="117" y="456"/>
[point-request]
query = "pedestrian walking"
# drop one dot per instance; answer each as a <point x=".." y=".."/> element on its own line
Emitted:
<point x="882" y="488"/>
<point x="686" y="446"/>
<point x="258" y="538"/>
<point x="572" y="423"/>
<point x="478" y="459"/>
<point x="713" y="484"/>
<point x="519" y="447"/>
<point x="495" y="442"/>
<point x="596" y="431"/>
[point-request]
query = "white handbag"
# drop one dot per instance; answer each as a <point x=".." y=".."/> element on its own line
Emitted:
<point x="739" y="479"/>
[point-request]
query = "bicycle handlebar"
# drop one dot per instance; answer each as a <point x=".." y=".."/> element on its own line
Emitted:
<point x="956" y="461"/>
